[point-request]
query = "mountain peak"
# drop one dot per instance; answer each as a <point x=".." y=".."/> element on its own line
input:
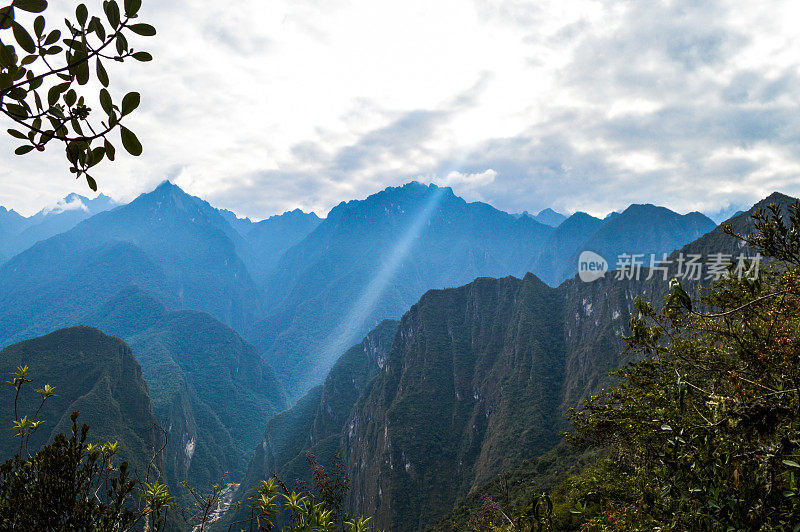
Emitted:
<point x="550" y="217"/>
<point x="168" y="186"/>
<point x="777" y="198"/>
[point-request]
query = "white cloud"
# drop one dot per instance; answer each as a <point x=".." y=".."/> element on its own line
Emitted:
<point x="70" y="203"/>
<point x="575" y="104"/>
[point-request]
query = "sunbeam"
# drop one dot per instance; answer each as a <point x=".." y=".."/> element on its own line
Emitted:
<point x="348" y="331"/>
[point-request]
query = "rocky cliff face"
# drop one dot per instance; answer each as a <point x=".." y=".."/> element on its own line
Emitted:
<point x="472" y="384"/>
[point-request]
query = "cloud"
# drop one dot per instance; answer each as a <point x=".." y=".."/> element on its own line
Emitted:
<point x="576" y="105"/>
<point x="70" y="203"/>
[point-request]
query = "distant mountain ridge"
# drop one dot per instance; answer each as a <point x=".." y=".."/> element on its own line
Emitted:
<point x="18" y="233"/>
<point x="299" y="287"/>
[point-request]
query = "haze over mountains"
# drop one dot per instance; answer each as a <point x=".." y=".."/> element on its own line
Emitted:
<point x="300" y="288"/>
<point x="234" y="321"/>
<point x="18" y="233"/>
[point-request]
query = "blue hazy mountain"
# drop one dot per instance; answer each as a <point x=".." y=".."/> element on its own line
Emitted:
<point x="645" y="229"/>
<point x="639" y="229"/>
<point x="174" y="246"/>
<point x="546" y="216"/>
<point x="550" y="217"/>
<point x="555" y="260"/>
<point x="18" y="233"/>
<point x="11" y="223"/>
<point x="372" y="259"/>
<point x="269" y="239"/>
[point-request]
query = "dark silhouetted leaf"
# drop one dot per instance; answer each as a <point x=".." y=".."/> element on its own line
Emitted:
<point x="102" y="75"/>
<point x="105" y="101"/>
<point x="130" y="102"/>
<point x="22" y="150"/>
<point x="31" y="6"/>
<point x="132" y="7"/>
<point x="130" y="142"/>
<point x="23" y="38"/>
<point x="143" y="29"/>
<point x="142" y="56"/>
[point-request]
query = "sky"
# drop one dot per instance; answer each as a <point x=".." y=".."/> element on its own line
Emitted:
<point x="262" y="107"/>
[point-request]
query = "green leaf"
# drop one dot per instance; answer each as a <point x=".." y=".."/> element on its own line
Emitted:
<point x="82" y="13"/>
<point x="102" y="75"/>
<point x="18" y="94"/>
<point x="132" y="7"/>
<point x="143" y="29"/>
<point x="7" y="56"/>
<point x="92" y="183"/>
<point x="105" y="101"/>
<point x="55" y="92"/>
<point x="23" y="38"/>
<point x="31" y="6"/>
<point x="142" y="56"/>
<point x="110" y="150"/>
<point x="791" y="463"/>
<point x="130" y="102"/>
<point x="52" y="37"/>
<point x="17" y="110"/>
<point x="7" y="17"/>
<point x="112" y="13"/>
<point x="38" y="25"/>
<point x="98" y="28"/>
<point x="122" y="44"/>
<point x="70" y="97"/>
<point x="82" y="71"/>
<point x="17" y="134"/>
<point x="22" y="150"/>
<point x="97" y="155"/>
<point x="130" y="142"/>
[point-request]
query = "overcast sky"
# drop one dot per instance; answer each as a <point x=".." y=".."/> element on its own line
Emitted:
<point x="264" y="106"/>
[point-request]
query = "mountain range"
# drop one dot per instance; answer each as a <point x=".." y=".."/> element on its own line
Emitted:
<point x="430" y="341"/>
<point x="476" y="381"/>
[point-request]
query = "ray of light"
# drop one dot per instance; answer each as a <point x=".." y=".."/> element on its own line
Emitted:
<point x="351" y="327"/>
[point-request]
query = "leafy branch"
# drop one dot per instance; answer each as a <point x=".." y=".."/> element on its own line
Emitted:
<point x="47" y="100"/>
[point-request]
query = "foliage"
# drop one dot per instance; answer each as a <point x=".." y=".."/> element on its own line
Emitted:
<point x="320" y="508"/>
<point x="704" y="433"/>
<point x="70" y="484"/>
<point x="67" y="485"/>
<point x="513" y="491"/>
<point x="206" y="508"/>
<point x="47" y="98"/>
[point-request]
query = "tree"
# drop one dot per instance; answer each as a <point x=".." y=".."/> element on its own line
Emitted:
<point x="70" y="484"/>
<point x="704" y="432"/>
<point x="44" y="75"/>
<point x="317" y="509"/>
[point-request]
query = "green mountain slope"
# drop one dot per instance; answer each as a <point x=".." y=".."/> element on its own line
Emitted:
<point x="210" y="389"/>
<point x="315" y="423"/>
<point x="94" y="373"/>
